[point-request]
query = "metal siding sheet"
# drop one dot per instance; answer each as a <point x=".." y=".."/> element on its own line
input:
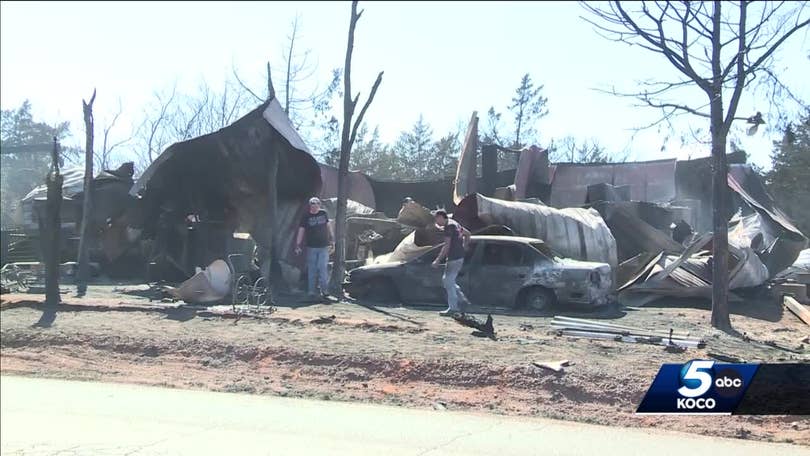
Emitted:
<point x="570" y="185"/>
<point x="648" y="181"/>
<point x="652" y="181"/>
<point x="359" y="187"/>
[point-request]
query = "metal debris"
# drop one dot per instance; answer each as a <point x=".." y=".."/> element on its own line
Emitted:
<point x="598" y="330"/>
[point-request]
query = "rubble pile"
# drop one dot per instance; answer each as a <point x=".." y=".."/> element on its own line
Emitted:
<point x="650" y="221"/>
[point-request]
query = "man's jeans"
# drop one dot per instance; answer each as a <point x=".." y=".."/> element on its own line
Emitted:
<point x="454" y="293"/>
<point x="317" y="263"/>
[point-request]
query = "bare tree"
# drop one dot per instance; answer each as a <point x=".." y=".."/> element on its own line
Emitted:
<point x="349" y="134"/>
<point x="153" y="131"/>
<point x="585" y="151"/>
<point x="307" y="105"/>
<point x="103" y="159"/>
<point x="87" y="207"/>
<point x="719" y="48"/>
<point x="179" y="117"/>
<point x="186" y="124"/>
<point x="207" y="111"/>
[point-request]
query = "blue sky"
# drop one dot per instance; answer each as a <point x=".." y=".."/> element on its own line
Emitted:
<point x="441" y="59"/>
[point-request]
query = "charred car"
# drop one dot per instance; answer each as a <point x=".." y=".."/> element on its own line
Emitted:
<point x="499" y="271"/>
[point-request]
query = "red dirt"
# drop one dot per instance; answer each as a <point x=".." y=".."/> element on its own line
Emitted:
<point x="395" y="356"/>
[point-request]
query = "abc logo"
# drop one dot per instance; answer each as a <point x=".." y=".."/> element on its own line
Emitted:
<point x="728" y="383"/>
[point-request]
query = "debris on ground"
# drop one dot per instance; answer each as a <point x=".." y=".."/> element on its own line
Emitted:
<point x="485" y="329"/>
<point x="578" y="327"/>
<point x="673" y="348"/>
<point x="726" y="358"/>
<point x="208" y="285"/>
<point x="439" y="406"/>
<point x="556" y="366"/>
<point x="323" y="320"/>
<point x="799" y="310"/>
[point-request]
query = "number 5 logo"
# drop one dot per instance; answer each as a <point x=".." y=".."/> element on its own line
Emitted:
<point x="696" y="381"/>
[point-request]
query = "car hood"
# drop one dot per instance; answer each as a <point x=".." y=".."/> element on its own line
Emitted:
<point x="569" y="264"/>
<point x="374" y="268"/>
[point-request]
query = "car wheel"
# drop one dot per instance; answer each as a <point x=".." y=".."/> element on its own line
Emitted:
<point x="382" y="289"/>
<point x="536" y="298"/>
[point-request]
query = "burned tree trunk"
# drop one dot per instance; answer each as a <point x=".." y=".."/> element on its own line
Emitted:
<point x="719" y="131"/>
<point x="49" y="227"/>
<point x="349" y="133"/>
<point x="87" y="207"/>
<point x="720" y="310"/>
<point x="720" y="52"/>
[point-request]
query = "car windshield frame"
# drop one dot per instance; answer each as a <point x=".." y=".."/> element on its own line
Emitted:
<point x="420" y="258"/>
<point x="546" y="251"/>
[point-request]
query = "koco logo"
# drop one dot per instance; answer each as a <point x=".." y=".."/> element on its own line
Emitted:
<point x="696" y="379"/>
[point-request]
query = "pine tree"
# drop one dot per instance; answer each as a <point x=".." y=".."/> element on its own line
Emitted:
<point x="528" y="106"/>
<point x="789" y="178"/>
<point x="414" y="149"/>
<point x="21" y="172"/>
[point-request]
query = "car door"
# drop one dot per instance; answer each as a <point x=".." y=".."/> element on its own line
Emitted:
<point x="464" y="279"/>
<point x="499" y="274"/>
<point x="420" y="282"/>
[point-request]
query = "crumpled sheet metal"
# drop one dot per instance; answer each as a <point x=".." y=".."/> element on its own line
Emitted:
<point x="575" y="233"/>
<point x="226" y="175"/>
<point x="689" y="274"/>
<point x="780" y="242"/>
<point x="415" y="215"/>
<point x="466" y="177"/>
<point x="405" y="251"/>
<point x="353" y="208"/>
<point x="209" y="285"/>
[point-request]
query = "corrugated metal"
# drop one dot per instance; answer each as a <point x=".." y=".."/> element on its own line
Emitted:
<point x="277" y="118"/>
<point x="465" y="173"/>
<point x="573" y="232"/>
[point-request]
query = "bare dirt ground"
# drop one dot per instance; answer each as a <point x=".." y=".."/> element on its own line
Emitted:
<point x="408" y="357"/>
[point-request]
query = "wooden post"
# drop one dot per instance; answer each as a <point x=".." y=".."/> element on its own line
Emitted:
<point x="49" y="228"/>
<point x="87" y="208"/>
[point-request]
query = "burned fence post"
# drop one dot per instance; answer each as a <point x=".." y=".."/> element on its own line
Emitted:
<point x="49" y="228"/>
<point x="87" y="206"/>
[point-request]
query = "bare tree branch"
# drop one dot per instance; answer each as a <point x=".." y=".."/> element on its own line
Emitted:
<point x="245" y="87"/>
<point x="365" y="107"/>
<point x="740" y="83"/>
<point x="103" y="159"/>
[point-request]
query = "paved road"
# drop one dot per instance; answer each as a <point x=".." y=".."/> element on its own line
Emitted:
<point x="48" y="417"/>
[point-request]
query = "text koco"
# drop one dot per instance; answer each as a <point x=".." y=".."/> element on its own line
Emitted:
<point x="690" y="404"/>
